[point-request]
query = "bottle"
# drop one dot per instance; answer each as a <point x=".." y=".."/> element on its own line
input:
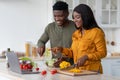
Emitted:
<point x="8" y="50"/>
<point x="27" y="49"/>
<point x="34" y="52"/>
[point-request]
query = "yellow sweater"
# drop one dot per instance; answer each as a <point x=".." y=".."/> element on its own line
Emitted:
<point x="92" y="44"/>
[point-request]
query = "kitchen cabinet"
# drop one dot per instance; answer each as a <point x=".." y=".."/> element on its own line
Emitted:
<point x="115" y="67"/>
<point x="106" y="12"/>
<point x="106" y="66"/>
<point x="110" y="13"/>
<point x="111" y="67"/>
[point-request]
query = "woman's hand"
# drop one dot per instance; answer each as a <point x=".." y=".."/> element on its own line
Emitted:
<point x="55" y="50"/>
<point x="57" y="63"/>
<point x="81" y="61"/>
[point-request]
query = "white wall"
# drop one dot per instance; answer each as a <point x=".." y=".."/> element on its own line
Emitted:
<point x="117" y="36"/>
<point x="21" y="21"/>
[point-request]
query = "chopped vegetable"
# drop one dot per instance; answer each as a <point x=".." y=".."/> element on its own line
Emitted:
<point x="75" y="70"/>
<point x="53" y="71"/>
<point x="43" y="72"/>
<point x="64" y="64"/>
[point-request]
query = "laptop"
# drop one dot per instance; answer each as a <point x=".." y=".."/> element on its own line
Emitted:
<point x="14" y="64"/>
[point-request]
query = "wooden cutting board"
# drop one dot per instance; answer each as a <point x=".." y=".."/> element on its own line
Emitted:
<point x="67" y="72"/>
<point x="83" y="72"/>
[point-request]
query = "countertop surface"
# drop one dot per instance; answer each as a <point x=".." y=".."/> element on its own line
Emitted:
<point x="112" y="57"/>
<point x="39" y="59"/>
<point x="6" y="73"/>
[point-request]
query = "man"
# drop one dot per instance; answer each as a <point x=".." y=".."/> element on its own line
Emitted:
<point x="59" y="32"/>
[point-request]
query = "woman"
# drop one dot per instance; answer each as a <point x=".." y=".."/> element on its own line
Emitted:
<point x="88" y="46"/>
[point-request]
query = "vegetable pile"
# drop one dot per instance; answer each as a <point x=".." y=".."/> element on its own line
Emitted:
<point x="27" y="64"/>
<point x="64" y="64"/>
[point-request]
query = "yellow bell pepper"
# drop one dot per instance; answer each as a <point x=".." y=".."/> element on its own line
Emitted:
<point x="75" y="70"/>
<point x="64" y="64"/>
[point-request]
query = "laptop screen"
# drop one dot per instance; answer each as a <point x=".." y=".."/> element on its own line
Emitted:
<point x="13" y="62"/>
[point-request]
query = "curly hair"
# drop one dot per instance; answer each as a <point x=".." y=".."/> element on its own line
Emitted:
<point x="60" y="5"/>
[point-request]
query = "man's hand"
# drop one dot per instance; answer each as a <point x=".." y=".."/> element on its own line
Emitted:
<point x="55" y="50"/>
<point x="41" y="50"/>
<point x="81" y="61"/>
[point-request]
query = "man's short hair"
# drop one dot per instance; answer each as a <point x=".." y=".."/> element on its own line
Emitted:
<point x="60" y="5"/>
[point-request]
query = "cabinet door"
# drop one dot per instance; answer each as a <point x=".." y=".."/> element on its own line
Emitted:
<point x="115" y="67"/>
<point x="109" y="13"/>
<point x="106" y="64"/>
<point x="115" y="70"/>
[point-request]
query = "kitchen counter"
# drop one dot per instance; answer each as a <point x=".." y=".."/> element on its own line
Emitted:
<point x="39" y="59"/>
<point x="35" y="59"/>
<point x="112" y="57"/>
<point x="14" y="76"/>
<point x="5" y="73"/>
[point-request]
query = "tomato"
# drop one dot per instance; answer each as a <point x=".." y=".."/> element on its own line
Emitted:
<point x="37" y="69"/>
<point x="29" y="66"/>
<point x="43" y="72"/>
<point x="21" y="66"/>
<point x="53" y="71"/>
<point x="25" y="67"/>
